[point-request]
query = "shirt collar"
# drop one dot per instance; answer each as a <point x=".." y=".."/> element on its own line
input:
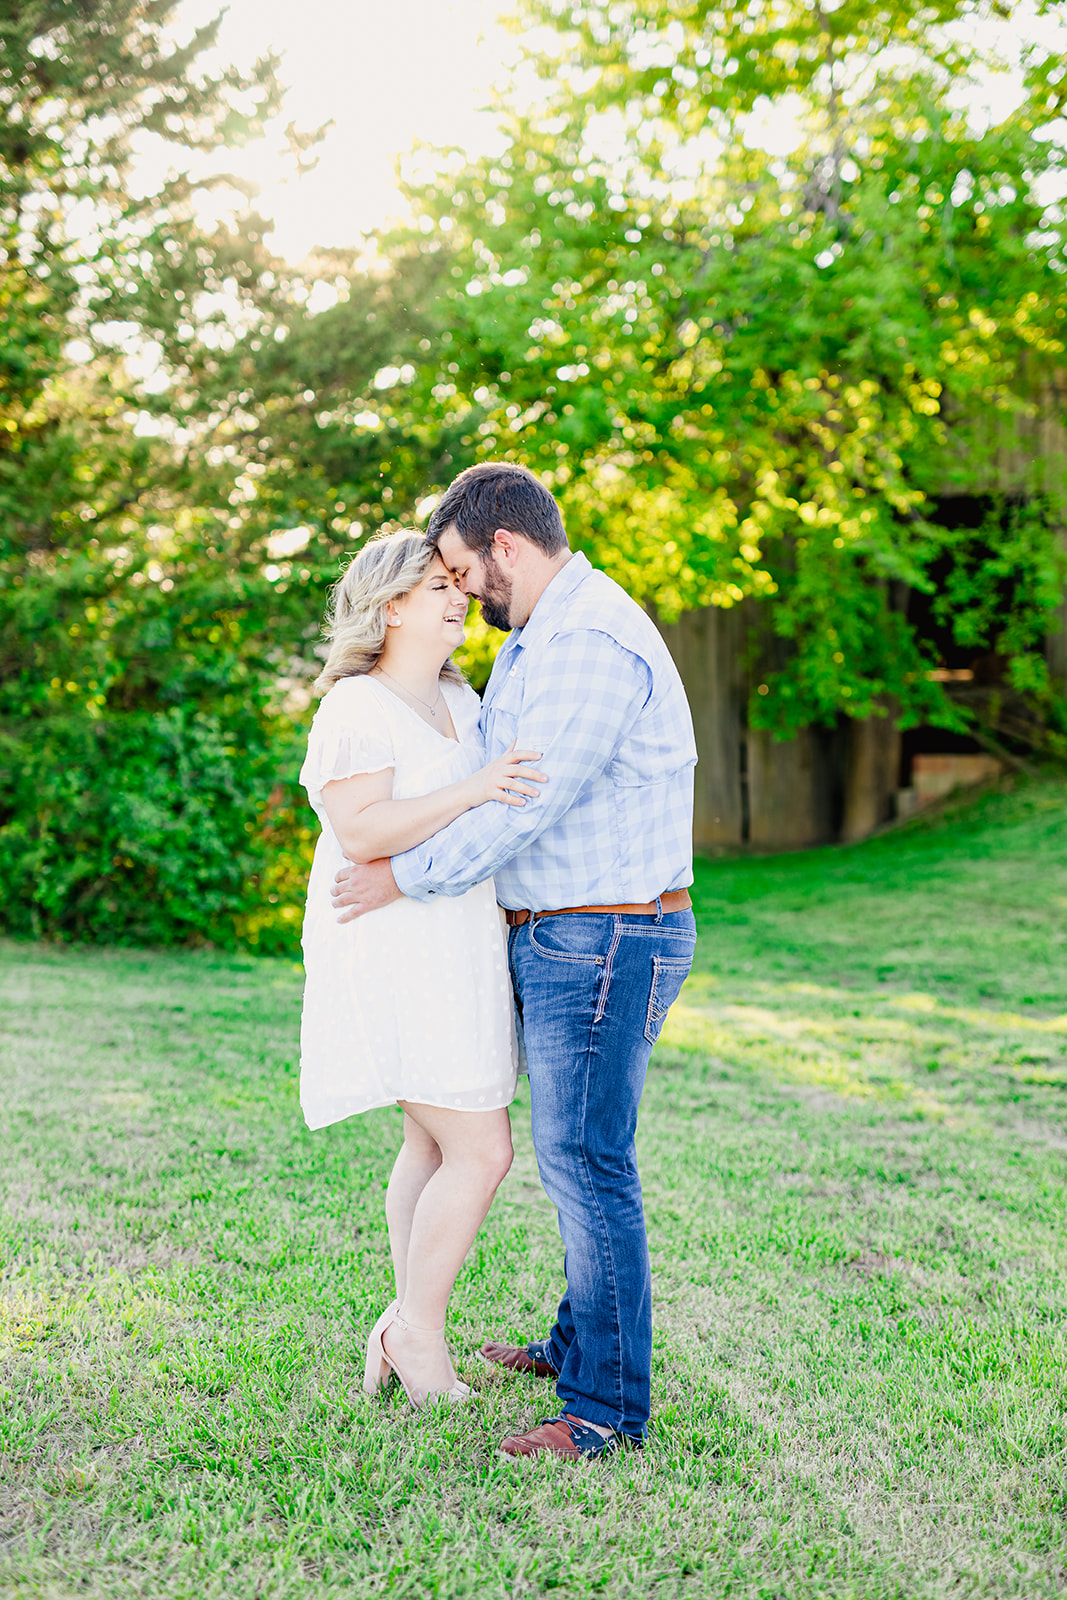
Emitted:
<point x="553" y="600"/>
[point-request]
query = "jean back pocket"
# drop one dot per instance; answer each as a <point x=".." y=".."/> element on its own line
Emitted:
<point x="668" y="975"/>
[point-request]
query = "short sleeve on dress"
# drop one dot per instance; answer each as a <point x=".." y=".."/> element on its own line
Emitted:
<point x="349" y="735"/>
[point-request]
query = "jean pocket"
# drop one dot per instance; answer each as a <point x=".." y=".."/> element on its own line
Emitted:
<point x="571" y="938"/>
<point x="668" y="975"/>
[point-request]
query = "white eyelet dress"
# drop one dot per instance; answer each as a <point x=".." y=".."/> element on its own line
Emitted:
<point x="411" y="1002"/>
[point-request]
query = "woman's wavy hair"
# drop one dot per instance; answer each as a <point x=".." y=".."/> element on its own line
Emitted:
<point x="387" y="568"/>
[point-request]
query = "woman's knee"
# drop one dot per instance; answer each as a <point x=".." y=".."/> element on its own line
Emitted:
<point x="476" y="1143"/>
<point x="504" y="1156"/>
<point x="491" y="1156"/>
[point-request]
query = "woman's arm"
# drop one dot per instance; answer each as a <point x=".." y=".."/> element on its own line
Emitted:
<point x="369" y="823"/>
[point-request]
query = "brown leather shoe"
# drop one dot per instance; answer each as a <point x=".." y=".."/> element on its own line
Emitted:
<point x="516" y="1358"/>
<point x="560" y="1436"/>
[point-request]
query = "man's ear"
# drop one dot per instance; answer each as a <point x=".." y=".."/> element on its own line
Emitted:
<point x="505" y="546"/>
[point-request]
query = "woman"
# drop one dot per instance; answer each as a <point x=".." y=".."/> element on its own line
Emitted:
<point x="412" y="1004"/>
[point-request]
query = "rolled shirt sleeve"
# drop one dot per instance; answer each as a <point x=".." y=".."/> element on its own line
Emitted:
<point x="577" y="706"/>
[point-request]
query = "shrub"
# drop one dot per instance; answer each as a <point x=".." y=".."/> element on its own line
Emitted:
<point x="150" y="828"/>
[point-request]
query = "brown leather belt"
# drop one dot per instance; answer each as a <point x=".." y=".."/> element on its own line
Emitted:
<point x="674" y="900"/>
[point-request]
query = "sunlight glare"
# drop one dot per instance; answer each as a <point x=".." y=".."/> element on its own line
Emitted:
<point x="385" y="77"/>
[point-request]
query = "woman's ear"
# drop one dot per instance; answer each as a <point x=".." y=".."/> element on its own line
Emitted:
<point x="393" y="619"/>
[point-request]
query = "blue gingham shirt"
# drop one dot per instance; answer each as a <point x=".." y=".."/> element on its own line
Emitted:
<point x="589" y="682"/>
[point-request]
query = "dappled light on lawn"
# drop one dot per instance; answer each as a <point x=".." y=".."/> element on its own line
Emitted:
<point x="856" y="1042"/>
<point x="854" y="1184"/>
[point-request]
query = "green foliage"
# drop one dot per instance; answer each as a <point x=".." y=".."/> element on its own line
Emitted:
<point x="753" y="385"/>
<point x="999" y="577"/>
<point x="140" y="829"/>
<point x="138" y="741"/>
<point x="722" y="57"/>
<point x="162" y="437"/>
<point x="81" y="257"/>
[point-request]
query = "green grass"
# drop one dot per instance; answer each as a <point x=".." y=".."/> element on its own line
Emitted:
<point x="854" y="1145"/>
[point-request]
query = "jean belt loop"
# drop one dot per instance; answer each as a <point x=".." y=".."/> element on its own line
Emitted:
<point x="659" y="908"/>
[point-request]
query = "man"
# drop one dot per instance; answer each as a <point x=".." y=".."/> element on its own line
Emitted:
<point x="594" y="878"/>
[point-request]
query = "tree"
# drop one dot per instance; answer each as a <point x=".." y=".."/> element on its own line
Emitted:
<point x="95" y="702"/>
<point x="189" y="454"/>
<point x="752" y="389"/>
<point x="758" y="385"/>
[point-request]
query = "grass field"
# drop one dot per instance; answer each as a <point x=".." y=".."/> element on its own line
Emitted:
<point x="854" y="1149"/>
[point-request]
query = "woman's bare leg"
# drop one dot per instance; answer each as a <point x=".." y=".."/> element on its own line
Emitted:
<point x="416" y="1163"/>
<point x="475" y="1149"/>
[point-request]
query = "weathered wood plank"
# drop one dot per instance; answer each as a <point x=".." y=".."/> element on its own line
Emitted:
<point x="791" y="789"/>
<point x="706" y="646"/>
<point x="872" y="774"/>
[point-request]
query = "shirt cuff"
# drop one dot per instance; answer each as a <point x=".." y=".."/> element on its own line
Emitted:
<point x="408" y="870"/>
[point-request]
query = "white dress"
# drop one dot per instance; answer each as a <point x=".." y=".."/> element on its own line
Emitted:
<point x="411" y="1002"/>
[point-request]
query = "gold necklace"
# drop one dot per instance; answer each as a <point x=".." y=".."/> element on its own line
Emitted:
<point x="403" y="687"/>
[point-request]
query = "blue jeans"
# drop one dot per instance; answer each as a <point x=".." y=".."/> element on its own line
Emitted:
<point x="593" y="990"/>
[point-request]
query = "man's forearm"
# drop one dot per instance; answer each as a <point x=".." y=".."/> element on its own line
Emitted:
<point x="461" y="855"/>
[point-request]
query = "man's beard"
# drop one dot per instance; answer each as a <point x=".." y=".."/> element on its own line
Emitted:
<point x="495" y="598"/>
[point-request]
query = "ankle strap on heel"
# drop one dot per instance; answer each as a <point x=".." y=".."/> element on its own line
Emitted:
<point x="411" y="1327"/>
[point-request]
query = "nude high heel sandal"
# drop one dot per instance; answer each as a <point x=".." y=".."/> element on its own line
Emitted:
<point x="380" y="1364"/>
<point x="376" y="1370"/>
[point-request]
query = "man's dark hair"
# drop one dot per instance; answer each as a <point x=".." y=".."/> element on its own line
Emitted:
<point x="498" y="494"/>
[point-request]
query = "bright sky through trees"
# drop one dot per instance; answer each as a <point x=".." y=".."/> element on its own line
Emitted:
<point x="390" y="76"/>
<point x="387" y="75"/>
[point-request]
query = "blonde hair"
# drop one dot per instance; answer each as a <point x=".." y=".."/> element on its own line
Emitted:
<point x="387" y="568"/>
